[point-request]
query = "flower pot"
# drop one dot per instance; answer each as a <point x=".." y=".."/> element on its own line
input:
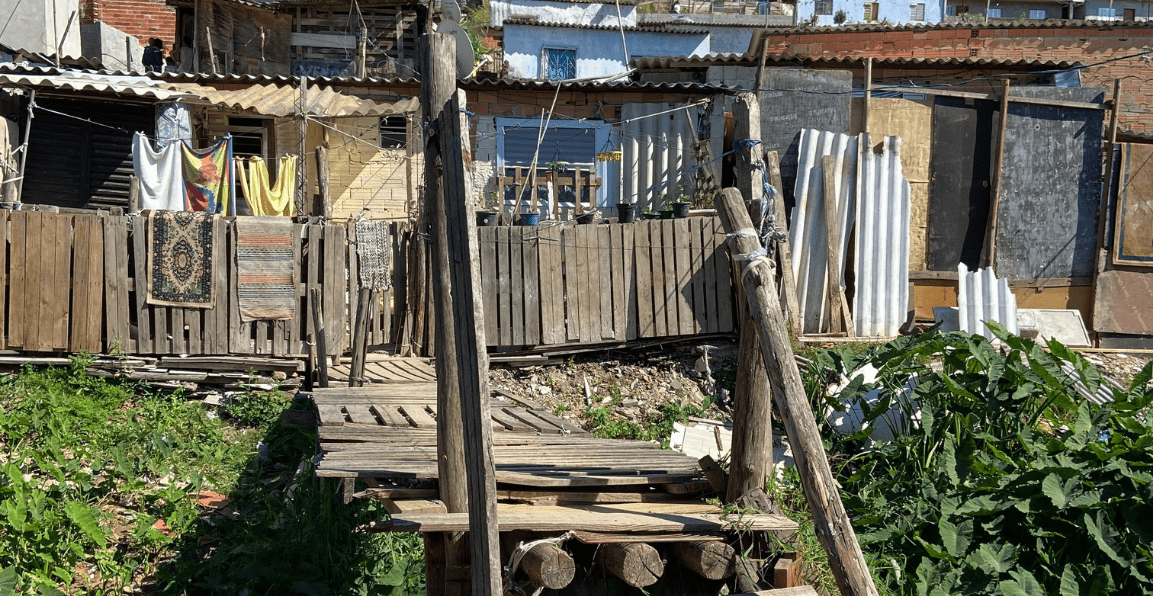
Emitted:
<point x="667" y="214"/>
<point x="650" y="215"/>
<point x="486" y="219"/>
<point x="681" y="208"/>
<point x="528" y="219"/>
<point x="626" y="212"/>
<point x="586" y="218"/>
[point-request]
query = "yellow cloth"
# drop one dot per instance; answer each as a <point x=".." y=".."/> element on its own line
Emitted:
<point x="262" y="199"/>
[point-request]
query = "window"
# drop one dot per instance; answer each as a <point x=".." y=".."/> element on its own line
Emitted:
<point x="567" y="142"/>
<point x="559" y="63"/>
<point x="1130" y="14"/>
<point x="394" y="132"/>
<point x="962" y="9"/>
<point x="871" y="11"/>
<point x="823" y="7"/>
<point x="1038" y="14"/>
<point x="1106" y="13"/>
<point x="917" y="12"/>
<point x="249" y="137"/>
<point x="994" y="13"/>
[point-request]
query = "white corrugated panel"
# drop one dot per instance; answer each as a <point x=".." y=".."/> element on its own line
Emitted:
<point x="982" y="296"/>
<point x="807" y="234"/>
<point x="657" y="148"/>
<point x="569" y="13"/>
<point x="882" y="240"/>
<point x="140" y="86"/>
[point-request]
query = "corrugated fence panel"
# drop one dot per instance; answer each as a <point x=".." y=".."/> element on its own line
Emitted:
<point x="882" y="240"/>
<point x="982" y="296"/>
<point x="656" y="147"/>
<point x="807" y="231"/>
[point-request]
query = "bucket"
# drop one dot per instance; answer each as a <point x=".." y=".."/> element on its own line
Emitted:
<point x="528" y="219"/>
<point x="585" y="218"/>
<point x="681" y="208"/>
<point x="667" y="214"/>
<point x="485" y="219"/>
<point x="626" y="212"/>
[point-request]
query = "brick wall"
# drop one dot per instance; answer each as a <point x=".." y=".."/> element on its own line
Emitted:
<point x="143" y="19"/>
<point x="1071" y="43"/>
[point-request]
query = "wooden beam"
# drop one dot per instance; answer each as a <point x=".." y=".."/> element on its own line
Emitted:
<point x="360" y="338"/>
<point x="708" y="559"/>
<point x="832" y="261"/>
<point x="318" y="339"/>
<point x="323" y="40"/>
<point x="460" y="310"/>
<point x="989" y="254"/>
<point x="133" y="194"/>
<point x="784" y="251"/>
<point x="549" y="566"/>
<point x="1100" y="255"/>
<point x="831" y="521"/>
<point x="567" y="518"/>
<point x="868" y="94"/>
<point x="637" y="564"/>
<point x="752" y="445"/>
<point x="1059" y="103"/>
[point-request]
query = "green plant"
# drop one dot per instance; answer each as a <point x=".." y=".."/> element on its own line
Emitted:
<point x="840" y="17"/>
<point x="475" y="23"/>
<point x="257" y="407"/>
<point x="975" y="497"/>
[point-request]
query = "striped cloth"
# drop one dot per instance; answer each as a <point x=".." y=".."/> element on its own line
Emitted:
<point x="374" y="248"/>
<point x="264" y="268"/>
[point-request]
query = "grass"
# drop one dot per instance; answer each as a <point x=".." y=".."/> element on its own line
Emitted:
<point x="99" y="486"/>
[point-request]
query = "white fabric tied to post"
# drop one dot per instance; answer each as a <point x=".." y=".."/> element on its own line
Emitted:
<point x="160" y="174"/>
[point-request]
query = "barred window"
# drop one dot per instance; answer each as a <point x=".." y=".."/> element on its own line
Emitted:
<point x="824" y="7"/>
<point x="917" y="12"/>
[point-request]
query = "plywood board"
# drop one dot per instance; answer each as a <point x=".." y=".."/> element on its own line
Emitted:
<point x="959" y="187"/>
<point x="1133" y="237"/>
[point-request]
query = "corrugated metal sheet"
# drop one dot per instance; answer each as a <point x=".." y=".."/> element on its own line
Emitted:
<point x="753" y="59"/>
<point x="1102" y="396"/>
<point x="882" y="240"/>
<point x="281" y="100"/>
<point x="982" y="296"/>
<point x="655" y="149"/>
<point x="651" y="28"/>
<point x="562" y="11"/>
<point x="72" y="80"/>
<point x="807" y="234"/>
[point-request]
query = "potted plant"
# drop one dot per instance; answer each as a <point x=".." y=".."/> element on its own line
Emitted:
<point x="488" y="215"/>
<point x="647" y="213"/>
<point x="681" y="207"/>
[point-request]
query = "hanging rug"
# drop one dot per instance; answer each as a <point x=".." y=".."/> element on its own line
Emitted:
<point x="180" y="263"/>
<point x="264" y="268"/>
<point x="374" y="249"/>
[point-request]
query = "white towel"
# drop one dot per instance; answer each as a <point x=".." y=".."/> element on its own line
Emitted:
<point x="160" y="175"/>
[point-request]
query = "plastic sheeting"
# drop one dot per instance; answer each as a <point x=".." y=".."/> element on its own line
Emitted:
<point x="808" y="233"/>
<point x="981" y="297"/>
<point x="882" y="241"/>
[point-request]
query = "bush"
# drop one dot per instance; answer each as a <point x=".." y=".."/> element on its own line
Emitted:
<point x="983" y="496"/>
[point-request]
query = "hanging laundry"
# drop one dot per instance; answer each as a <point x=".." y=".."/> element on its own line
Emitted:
<point x="180" y="265"/>
<point x="374" y="249"/>
<point x="9" y="135"/>
<point x="208" y="177"/>
<point x="173" y="124"/>
<point x="261" y="197"/>
<point x="160" y="175"/>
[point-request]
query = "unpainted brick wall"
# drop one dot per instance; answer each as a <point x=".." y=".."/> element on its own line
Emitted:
<point x="143" y="19"/>
<point x="367" y="179"/>
<point x="1089" y="46"/>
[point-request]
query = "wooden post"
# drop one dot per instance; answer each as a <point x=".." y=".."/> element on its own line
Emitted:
<point x="128" y="53"/>
<point x="709" y="559"/>
<point x="320" y="344"/>
<point x="27" y="143"/>
<point x="990" y="250"/>
<point x="784" y="252"/>
<point x="833" y="244"/>
<point x="409" y="153"/>
<point x="752" y="446"/>
<point x="322" y="182"/>
<point x="360" y="338"/>
<point x="133" y="194"/>
<point x="211" y="54"/>
<point x="462" y="362"/>
<point x="1100" y="254"/>
<point x="362" y="54"/>
<point x="549" y="566"/>
<point x="831" y="521"/>
<point x="302" y="127"/>
<point x="868" y="94"/>
<point x="636" y="563"/>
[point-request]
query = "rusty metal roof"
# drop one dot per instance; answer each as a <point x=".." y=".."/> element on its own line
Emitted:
<point x="751" y="59"/>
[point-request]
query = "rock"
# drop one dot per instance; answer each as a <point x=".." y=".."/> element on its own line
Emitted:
<point x="675" y="385"/>
<point x="543" y="390"/>
<point x="279" y="375"/>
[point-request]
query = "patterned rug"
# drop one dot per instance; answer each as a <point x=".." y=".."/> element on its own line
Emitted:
<point x="265" y="282"/>
<point x="180" y="266"/>
<point x="374" y="248"/>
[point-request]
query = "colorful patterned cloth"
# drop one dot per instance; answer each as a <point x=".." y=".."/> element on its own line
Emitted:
<point x="265" y="280"/>
<point x="208" y="177"/>
<point x="261" y="197"/>
<point x="374" y="248"/>
<point x="180" y="266"/>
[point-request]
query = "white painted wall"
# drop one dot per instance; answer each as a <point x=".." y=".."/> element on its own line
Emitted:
<point x="572" y="13"/>
<point x="598" y="51"/>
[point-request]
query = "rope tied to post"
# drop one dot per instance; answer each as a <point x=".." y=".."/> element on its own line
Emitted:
<point x="519" y="553"/>
<point x="769" y="230"/>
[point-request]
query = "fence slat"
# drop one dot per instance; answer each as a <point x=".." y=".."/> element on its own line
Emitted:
<point x="516" y="288"/>
<point x="179" y="342"/>
<point x="296" y="325"/>
<point x="144" y="344"/>
<point x="239" y="332"/>
<point x="18" y="312"/>
<point x="570" y="275"/>
<point x="115" y="341"/>
<point x="77" y="342"/>
<point x="630" y="280"/>
<point x="668" y="246"/>
<point x="697" y="251"/>
<point x="660" y="297"/>
<point x="45" y="255"/>
<point x="531" y="254"/>
<point x="620" y="280"/>
<point x="95" y="291"/>
<point x="504" y="298"/>
<point x="684" y="292"/>
<point x="486" y="237"/>
<point x="588" y="308"/>
<point x="602" y="257"/>
<point x="62" y="264"/>
<point x="724" y="308"/>
<point x="646" y="326"/>
<point x="552" y="287"/>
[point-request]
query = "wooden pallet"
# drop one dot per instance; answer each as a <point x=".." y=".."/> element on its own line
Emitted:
<point x="379" y="369"/>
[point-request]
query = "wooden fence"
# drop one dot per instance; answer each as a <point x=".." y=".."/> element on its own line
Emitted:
<point x="73" y="284"/>
<point x="564" y="284"/>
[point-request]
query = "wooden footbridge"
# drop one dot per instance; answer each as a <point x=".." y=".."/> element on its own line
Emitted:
<point x="627" y="505"/>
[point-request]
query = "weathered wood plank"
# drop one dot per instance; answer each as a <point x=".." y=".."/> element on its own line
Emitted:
<point x="78" y="341"/>
<point x="517" y="283"/>
<point x="602" y="268"/>
<point x="646" y="325"/>
<point x="684" y="288"/>
<point x="487" y="239"/>
<point x="94" y="321"/>
<point x="532" y="308"/>
<point x="572" y="289"/>
<point x="18" y="314"/>
<point x="700" y="304"/>
<point x="504" y="275"/>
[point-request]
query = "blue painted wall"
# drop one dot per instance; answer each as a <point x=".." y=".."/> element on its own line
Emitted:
<point x="896" y="12"/>
<point x="598" y="51"/>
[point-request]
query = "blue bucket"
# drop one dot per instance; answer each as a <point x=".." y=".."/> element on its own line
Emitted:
<point x="528" y="219"/>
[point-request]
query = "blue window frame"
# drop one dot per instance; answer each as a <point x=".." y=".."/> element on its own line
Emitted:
<point x="994" y="13"/>
<point x="560" y="63"/>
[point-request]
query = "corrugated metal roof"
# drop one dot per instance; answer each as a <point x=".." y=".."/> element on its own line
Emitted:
<point x="717" y="19"/>
<point x="210" y="79"/>
<point x="103" y="83"/>
<point x="752" y="59"/>
<point x="808" y="235"/>
<point x="1018" y="25"/>
<point x="657" y="28"/>
<point x="281" y="100"/>
<point x="882" y="240"/>
<point x="982" y="296"/>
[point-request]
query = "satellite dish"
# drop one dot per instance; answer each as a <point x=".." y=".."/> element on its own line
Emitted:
<point x="465" y="59"/>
